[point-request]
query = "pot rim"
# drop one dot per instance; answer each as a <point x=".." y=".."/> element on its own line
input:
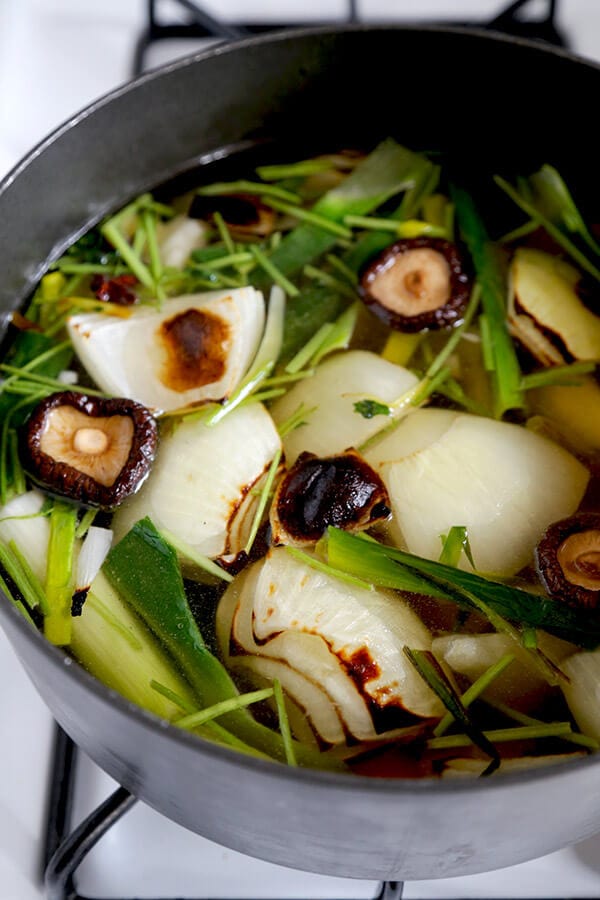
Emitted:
<point x="334" y="781"/>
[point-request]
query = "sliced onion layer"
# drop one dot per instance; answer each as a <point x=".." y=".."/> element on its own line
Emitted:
<point x="197" y="348"/>
<point x="501" y="481"/>
<point x="321" y="632"/>
<point x="331" y="422"/>
<point x="201" y="482"/>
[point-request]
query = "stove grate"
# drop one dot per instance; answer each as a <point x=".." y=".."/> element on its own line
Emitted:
<point x="512" y="20"/>
<point x="66" y="849"/>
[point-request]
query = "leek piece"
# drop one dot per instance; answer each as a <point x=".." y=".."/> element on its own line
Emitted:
<point x="203" y="562"/>
<point x="18" y="576"/>
<point x="87" y="520"/>
<point x="388" y="170"/>
<point x="311" y="309"/>
<point x="248" y="187"/>
<point x="274" y="272"/>
<point x="454" y="544"/>
<point x="300" y="169"/>
<point x="552" y="196"/>
<point x="502" y="735"/>
<point x="432" y="673"/>
<point x="225" y="706"/>
<point x="4" y="589"/>
<point x="262" y="503"/>
<point x="35" y="595"/>
<point x="340" y="335"/>
<point x="558" y="375"/>
<point x="475" y="690"/>
<point x="507" y="374"/>
<point x="59" y="574"/>
<point x="284" y="724"/>
<point x="143" y="568"/>
<point x="321" y="566"/>
<point x="351" y="554"/>
<point x="113" y="235"/>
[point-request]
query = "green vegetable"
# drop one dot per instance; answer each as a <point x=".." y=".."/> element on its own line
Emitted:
<point x="454" y="544"/>
<point x="432" y="673"/>
<point x="475" y="690"/>
<point x="312" y="308"/>
<point x="248" y="187"/>
<point x="370" y="408"/>
<point x="506" y="371"/>
<point x="351" y="554"/>
<point x="524" y="733"/>
<point x="388" y="170"/>
<point x="144" y="570"/>
<point x="59" y="574"/>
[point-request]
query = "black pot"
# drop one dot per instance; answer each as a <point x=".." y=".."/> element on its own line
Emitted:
<point x="491" y="103"/>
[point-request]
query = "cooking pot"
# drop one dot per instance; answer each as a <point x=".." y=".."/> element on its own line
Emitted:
<point x="492" y="104"/>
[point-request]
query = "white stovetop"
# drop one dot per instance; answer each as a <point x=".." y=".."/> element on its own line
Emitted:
<point x="56" y="56"/>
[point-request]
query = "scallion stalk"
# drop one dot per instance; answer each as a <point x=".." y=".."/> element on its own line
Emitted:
<point x="475" y="690"/>
<point x="284" y="724"/>
<point x="503" y="735"/>
<point x="248" y="187"/>
<point x="203" y="562"/>
<point x="312" y="218"/>
<point x="278" y="277"/>
<point x="558" y="375"/>
<point x="262" y="502"/>
<point x="220" y="709"/>
<point x="59" y="573"/>
<point x="321" y="566"/>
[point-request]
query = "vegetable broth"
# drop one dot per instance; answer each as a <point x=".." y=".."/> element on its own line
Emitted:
<point x="334" y="528"/>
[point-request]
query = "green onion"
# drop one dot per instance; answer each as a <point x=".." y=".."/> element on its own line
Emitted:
<point x="561" y="375"/>
<point x="222" y="708"/>
<point x="86" y="520"/>
<point x="342" y="268"/>
<point x="59" y="571"/>
<point x="247" y="187"/>
<point x="454" y="544"/>
<point x="433" y="675"/>
<point x="289" y="378"/>
<point x="113" y="622"/>
<point x="141" y="271"/>
<point x="149" y="224"/>
<point x="295" y="420"/>
<point x="284" y="724"/>
<point x="575" y="737"/>
<point x="294" y="170"/>
<point x="487" y="344"/>
<point x="203" y="562"/>
<point x="410" y="228"/>
<point x="224" y="232"/>
<point x="502" y="735"/>
<point x="15" y="602"/>
<point x="310" y="349"/>
<point x="320" y="566"/>
<point x="313" y="218"/>
<point x="506" y="371"/>
<point x="36" y="596"/>
<point x="339" y="337"/>
<point x="223" y="262"/>
<point x="553" y="198"/>
<point x="18" y="576"/>
<point x="262" y="503"/>
<point x="476" y="690"/>
<point x="342" y="287"/>
<point x="559" y="236"/>
<point x="173" y="696"/>
<point x="352" y="554"/>
<point x="278" y="277"/>
<point x="520" y="232"/>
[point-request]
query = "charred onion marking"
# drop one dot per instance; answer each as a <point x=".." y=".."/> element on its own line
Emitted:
<point x="195" y="343"/>
<point x="317" y="491"/>
<point x="93" y="450"/>
<point x="568" y="560"/>
<point x="417" y="284"/>
<point x="244" y="214"/>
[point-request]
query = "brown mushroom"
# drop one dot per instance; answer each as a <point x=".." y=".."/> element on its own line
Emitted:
<point x="568" y="560"/>
<point x="317" y="492"/>
<point x="244" y="214"/>
<point x="93" y="450"/>
<point x="416" y="285"/>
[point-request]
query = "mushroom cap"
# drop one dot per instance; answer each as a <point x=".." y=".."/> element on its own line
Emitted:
<point x="568" y="560"/>
<point x="316" y="492"/>
<point x="417" y="284"/>
<point x="93" y="450"/>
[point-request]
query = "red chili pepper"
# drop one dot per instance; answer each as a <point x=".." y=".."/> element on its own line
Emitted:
<point x="115" y="290"/>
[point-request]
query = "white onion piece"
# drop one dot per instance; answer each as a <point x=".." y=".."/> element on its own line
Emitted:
<point x="336" y="386"/>
<point x="30" y="535"/>
<point x="177" y="239"/>
<point x="94" y="551"/>
<point x="127" y="357"/>
<point x="501" y="481"/>
<point x="199" y="487"/>
<point x="583" y="693"/>
<point x="345" y="639"/>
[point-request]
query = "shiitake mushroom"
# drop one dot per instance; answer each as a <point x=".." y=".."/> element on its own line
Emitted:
<point x="417" y="284"/>
<point x="568" y="560"/>
<point x="93" y="450"/>
<point x="341" y="490"/>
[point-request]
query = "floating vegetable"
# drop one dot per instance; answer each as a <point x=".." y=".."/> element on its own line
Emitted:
<point x="332" y="424"/>
<point x="197" y="349"/>
<point x="178" y="237"/>
<point x="312" y="629"/>
<point x="201" y="485"/>
<point x="508" y="483"/>
<point x="319" y="491"/>
<point x="417" y="284"/>
<point x="568" y="560"/>
<point x="545" y="311"/>
<point x="93" y="450"/>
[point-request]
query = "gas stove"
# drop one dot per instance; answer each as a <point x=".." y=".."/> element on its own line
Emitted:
<point x="55" y="58"/>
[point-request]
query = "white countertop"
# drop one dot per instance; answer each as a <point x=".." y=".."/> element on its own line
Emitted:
<point x="54" y="58"/>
